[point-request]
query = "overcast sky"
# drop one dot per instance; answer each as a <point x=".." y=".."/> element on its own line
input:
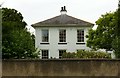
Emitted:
<point x="38" y="10"/>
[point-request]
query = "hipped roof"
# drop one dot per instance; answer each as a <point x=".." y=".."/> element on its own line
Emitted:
<point x="63" y="20"/>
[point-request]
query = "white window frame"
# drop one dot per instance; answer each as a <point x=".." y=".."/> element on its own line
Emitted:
<point x="42" y="40"/>
<point x="42" y="55"/>
<point x="80" y="35"/>
<point x="60" y="55"/>
<point x="63" y="36"/>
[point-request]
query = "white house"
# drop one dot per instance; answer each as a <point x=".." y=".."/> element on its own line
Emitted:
<point x="62" y="33"/>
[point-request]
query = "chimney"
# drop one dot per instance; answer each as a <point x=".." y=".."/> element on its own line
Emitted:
<point x="63" y="10"/>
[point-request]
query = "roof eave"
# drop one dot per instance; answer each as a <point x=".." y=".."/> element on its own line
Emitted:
<point x="62" y="25"/>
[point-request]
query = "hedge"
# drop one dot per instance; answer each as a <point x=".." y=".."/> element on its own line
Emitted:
<point x="86" y="54"/>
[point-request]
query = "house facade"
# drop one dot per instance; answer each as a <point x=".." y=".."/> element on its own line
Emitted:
<point x="62" y="33"/>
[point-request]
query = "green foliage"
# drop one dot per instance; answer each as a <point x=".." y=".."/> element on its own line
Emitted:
<point x="69" y="55"/>
<point x="116" y="46"/>
<point x="86" y="54"/>
<point x="17" y="42"/>
<point x="0" y="33"/>
<point x="92" y="39"/>
<point x="107" y="35"/>
<point x="19" y="45"/>
<point x="12" y="15"/>
<point x="103" y="36"/>
<point x="116" y="40"/>
<point x="118" y="20"/>
<point x="12" y="19"/>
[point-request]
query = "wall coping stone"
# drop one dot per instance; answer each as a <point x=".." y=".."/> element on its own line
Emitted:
<point x="65" y="59"/>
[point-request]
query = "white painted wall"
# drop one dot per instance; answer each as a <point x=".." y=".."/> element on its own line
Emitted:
<point x="53" y="46"/>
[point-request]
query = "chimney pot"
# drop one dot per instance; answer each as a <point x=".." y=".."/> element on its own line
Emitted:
<point x="63" y="10"/>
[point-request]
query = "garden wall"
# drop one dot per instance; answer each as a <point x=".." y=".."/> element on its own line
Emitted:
<point x="61" y="68"/>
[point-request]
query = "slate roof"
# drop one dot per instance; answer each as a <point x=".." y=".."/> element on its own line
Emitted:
<point x="63" y="20"/>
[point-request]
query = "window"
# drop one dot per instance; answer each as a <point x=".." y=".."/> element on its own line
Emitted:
<point x="44" y="54"/>
<point x="62" y="35"/>
<point x="61" y="53"/>
<point x="45" y="35"/>
<point x="80" y="50"/>
<point x="80" y="35"/>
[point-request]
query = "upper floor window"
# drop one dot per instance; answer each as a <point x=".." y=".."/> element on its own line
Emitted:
<point x="45" y="35"/>
<point x="62" y="35"/>
<point x="80" y="35"/>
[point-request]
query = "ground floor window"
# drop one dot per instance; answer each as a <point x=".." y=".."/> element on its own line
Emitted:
<point x="61" y="53"/>
<point x="80" y="50"/>
<point x="45" y="54"/>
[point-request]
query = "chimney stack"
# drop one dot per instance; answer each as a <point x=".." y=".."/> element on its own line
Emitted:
<point x="63" y="10"/>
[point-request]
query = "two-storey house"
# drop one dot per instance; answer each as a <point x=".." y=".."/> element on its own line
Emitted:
<point x="62" y="33"/>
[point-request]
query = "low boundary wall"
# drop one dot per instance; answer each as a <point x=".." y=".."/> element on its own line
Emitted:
<point x="61" y="68"/>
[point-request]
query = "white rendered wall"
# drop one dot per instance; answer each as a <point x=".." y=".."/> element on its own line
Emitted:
<point x="54" y="47"/>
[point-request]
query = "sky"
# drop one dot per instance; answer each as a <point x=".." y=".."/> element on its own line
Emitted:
<point x="35" y="11"/>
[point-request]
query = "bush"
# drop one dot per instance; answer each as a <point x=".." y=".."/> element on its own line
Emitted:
<point x="69" y="55"/>
<point x="86" y="54"/>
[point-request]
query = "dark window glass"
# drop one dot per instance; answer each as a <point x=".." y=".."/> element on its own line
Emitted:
<point x="80" y="35"/>
<point x="61" y="53"/>
<point x="45" y="54"/>
<point x="62" y="35"/>
<point x="45" y="35"/>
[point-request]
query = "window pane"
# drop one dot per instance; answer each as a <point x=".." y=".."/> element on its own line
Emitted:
<point x="80" y="35"/>
<point x="44" y="54"/>
<point x="62" y="35"/>
<point x="45" y="35"/>
<point x="61" y="53"/>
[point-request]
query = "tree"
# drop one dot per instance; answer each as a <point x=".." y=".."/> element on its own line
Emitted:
<point x="20" y="45"/>
<point x="11" y="20"/>
<point x="0" y="33"/>
<point x="116" y="46"/>
<point x="107" y="35"/>
<point x="17" y="42"/>
<point x="12" y="15"/>
<point x="103" y="36"/>
<point x="116" y="41"/>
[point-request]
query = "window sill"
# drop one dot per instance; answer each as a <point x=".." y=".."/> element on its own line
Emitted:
<point x="44" y="43"/>
<point x="81" y="43"/>
<point x="62" y="43"/>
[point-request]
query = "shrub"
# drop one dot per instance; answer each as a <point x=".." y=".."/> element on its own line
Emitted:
<point x="86" y="54"/>
<point x="69" y="55"/>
